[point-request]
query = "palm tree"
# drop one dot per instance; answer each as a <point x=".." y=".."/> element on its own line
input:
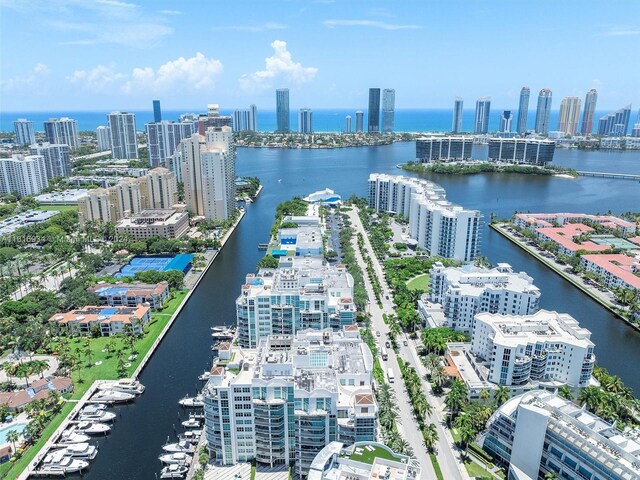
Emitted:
<point x="456" y="397"/>
<point x="565" y="392"/>
<point x="439" y="376"/>
<point x="13" y="437"/>
<point x="591" y="397"/>
<point x="501" y="395"/>
<point x="485" y="395"/>
<point x="430" y="435"/>
<point x="432" y="361"/>
<point x="612" y="383"/>
<point x="403" y="447"/>
<point x="550" y="476"/>
<point x="39" y="367"/>
<point x="467" y="435"/>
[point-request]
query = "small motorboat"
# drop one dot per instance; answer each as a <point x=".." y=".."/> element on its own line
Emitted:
<point x="192" y="402"/>
<point x="60" y="464"/>
<point x="181" y="446"/>
<point x="174" y="471"/>
<point x="91" y="428"/>
<point x="112" y="396"/>
<point x="83" y="451"/>
<point x="192" y="423"/>
<point x="191" y="435"/>
<point x="205" y="376"/>
<point x="70" y="437"/>
<point x="125" y="385"/>
<point x="96" y="413"/>
<point x="176" y="458"/>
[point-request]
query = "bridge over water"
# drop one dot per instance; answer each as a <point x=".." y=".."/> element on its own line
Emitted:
<point x="622" y="176"/>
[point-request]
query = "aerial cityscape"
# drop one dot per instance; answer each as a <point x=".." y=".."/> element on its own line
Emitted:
<point x="320" y="240"/>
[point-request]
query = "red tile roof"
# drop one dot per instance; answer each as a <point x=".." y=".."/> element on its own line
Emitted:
<point x="618" y="265"/>
<point x="565" y="234"/>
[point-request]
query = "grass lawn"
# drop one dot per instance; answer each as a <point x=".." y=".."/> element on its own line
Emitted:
<point x="60" y="208"/>
<point x="420" y="282"/>
<point x="12" y="470"/>
<point x="436" y="466"/>
<point x="475" y="470"/>
<point x="369" y="456"/>
<point x="455" y="434"/>
<point x="84" y="377"/>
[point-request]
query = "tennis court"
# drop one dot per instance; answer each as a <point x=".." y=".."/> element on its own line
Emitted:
<point x="180" y="262"/>
<point x="615" y="242"/>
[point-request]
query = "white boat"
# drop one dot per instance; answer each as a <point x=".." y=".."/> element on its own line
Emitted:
<point x="112" y="396"/>
<point x="192" y="423"/>
<point x="176" y="458"/>
<point x="181" y="446"/>
<point x="83" y="451"/>
<point x="57" y="463"/>
<point x="70" y="437"/>
<point x="192" y="402"/>
<point x="91" y="428"/>
<point x="174" y="471"/>
<point x="205" y="376"/>
<point x="191" y="435"/>
<point x="125" y="385"/>
<point x="96" y="413"/>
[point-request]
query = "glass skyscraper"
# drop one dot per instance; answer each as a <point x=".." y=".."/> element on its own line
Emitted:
<point x="282" y="109"/>
<point x="388" y="109"/>
<point x="483" y="107"/>
<point x="456" y="124"/>
<point x="157" y="113"/>
<point x="523" y="110"/>
<point x="373" y="114"/>
<point x="543" y="111"/>
<point x="589" y="111"/>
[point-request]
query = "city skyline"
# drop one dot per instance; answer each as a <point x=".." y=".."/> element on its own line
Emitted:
<point x="266" y="54"/>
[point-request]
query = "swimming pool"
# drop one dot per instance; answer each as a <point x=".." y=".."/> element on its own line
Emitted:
<point x="18" y="427"/>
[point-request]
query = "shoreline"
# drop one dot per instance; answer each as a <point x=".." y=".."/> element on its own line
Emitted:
<point x="477" y="167"/>
<point x="498" y="228"/>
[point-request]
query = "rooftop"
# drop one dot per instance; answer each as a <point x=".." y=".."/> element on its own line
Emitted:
<point x="619" y="265"/>
<point x="24" y="219"/>
<point x="91" y="314"/>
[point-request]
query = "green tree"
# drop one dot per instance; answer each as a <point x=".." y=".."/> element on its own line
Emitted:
<point x="430" y="436"/>
<point x="565" y="392"/>
<point x="13" y="437"/>
<point x="501" y="395"/>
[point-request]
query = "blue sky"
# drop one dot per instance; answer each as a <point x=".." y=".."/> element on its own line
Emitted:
<point x="120" y="54"/>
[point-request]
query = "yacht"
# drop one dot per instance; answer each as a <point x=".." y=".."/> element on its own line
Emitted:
<point x="70" y="437"/>
<point x="57" y="463"/>
<point x="125" y="385"/>
<point x="192" y="402"/>
<point x="91" y="428"/>
<point x="83" y="451"/>
<point x="205" y="376"/>
<point x="192" y="423"/>
<point x="176" y="458"/>
<point x="96" y="413"/>
<point x="112" y="396"/>
<point x="174" y="471"/>
<point x="191" y="435"/>
<point x="181" y="446"/>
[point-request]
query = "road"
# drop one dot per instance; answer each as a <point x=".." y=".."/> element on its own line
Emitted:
<point x="447" y="453"/>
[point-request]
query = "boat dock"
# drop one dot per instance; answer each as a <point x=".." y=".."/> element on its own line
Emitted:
<point x="263" y="246"/>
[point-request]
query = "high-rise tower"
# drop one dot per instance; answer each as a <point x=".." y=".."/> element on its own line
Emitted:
<point x="505" y="121"/>
<point x="388" y="109"/>
<point x="305" y="120"/>
<point x="483" y="108"/>
<point x="157" y="113"/>
<point x="282" y="109"/>
<point x="543" y="111"/>
<point x="589" y="111"/>
<point x="569" y="115"/>
<point x="25" y="134"/>
<point x="373" y="115"/>
<point x="124" y="143"/>
<point x="523" y="110"/>
<point x="456" y="124"/>
<point x="359" y="121"/>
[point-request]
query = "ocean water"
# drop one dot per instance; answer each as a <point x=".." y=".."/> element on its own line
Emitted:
<point x="324" y="120"/>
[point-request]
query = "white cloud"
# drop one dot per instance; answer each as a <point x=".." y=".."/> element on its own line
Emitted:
<point x="369" y="23"/>
<point x="97" y="79"/>
<point x="279" y="67"/>
<point x="253" y="28"/>
<point x="29" y="82"/>
<point x="622" y="32"/>
<point x="170" y="12"/>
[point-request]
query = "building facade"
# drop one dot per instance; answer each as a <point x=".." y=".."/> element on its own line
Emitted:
<point x="23" y="174"/>
<point x="167" y="223"/>
<point x="305" y="120"/>
<point x="615" y="124"/>
<point x="543" y="111"/>
<point x="122" y="131"/>
<point x="505" y="121"/>
<point x="282" y="110"/>
<point x="209" y="173"/>
<point x="569" y="116"/>
<point x="466" y="291"/>
<point x="438" y="226"/>
<point x="456" y="123"/>
<point x="483" y="109"/>
<point x="359" y="121"/>
<point x="540" y="433"/>
<point x="103" y="135"/>
<point x="56" y="158"/>
<point x="289" y="398"/>
<point x="522" y="151"/>
<point x="443" y="149"/>
<point x="61" y="130"/>
<point x="523" y="110"/>
<point x="388" y="110"/>
<point x="245" y="120"/>
<point x="163" y="138"/>
<point x="589" y="111"/>
<point x="347" y="125"/>
<point x="373" y="114"/>
<point x="157" y="111"/>
<point x="25" y="133"/>
<point x="547" y="347"/>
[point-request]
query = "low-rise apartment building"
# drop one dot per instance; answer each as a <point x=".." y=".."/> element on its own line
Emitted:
<point x="616" y="270"/>
<point x="532" y="221"/>
<point x="169" y="223"/>
<point x="289" y="398"/>
<point x="540" y="433"/>
<point x="110" y="320"/>
<point x="439" y="148"/>
<point x="132" y="294"/>
<point x="523" y="151"/>
<point x="466" y="291"/>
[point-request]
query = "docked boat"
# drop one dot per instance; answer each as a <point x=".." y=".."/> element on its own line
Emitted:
<point x="205" y="376"/>
<point x="91" y="428"/>
<point x="191" y="435"/>
<point x="57" y="463"/>
<point x="192" y="402"/>
<point x="181" y="446"/>
<point x="83" y="451"/>
<point x="192" y="423"/>
<point x="96" y="413"/>
<point x="69" y="437"/>
<point x="125" y="385"/>
<point x="174" y="471"/>
<point x="176" y="458"/>
<point x="112" y="396"/>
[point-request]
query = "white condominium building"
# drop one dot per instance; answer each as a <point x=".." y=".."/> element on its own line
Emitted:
<point x="301" y="293"/>
<point x="439" y="226"/>
<point x="124" y="140"/>
<point x="466" y="291"/>
<point x="56" y="158"/>
<point x="547" y="347"/>
<point x="161" y="188"/>
<point x="62" y="130"/>
<point x="209" y="173"/>
<point x="286" y="400"/>
<point x="163" y="138"/>
<point x="99" y="205"/>
<point x="23" y="174"/>
<point x="540" y="433"/>
<point x="103" y="135"/>
<point x="25" y="134"/>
